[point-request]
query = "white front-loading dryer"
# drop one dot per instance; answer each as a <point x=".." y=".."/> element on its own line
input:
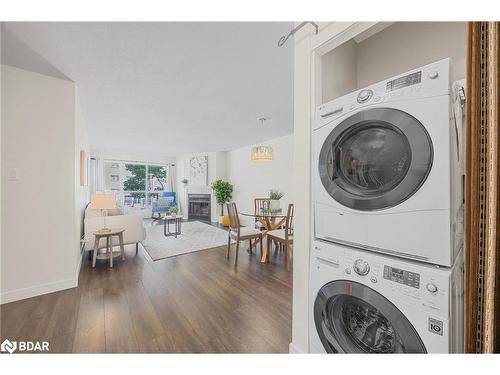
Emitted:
<point x="365" y="302"/>
<point x="385" y="168"/>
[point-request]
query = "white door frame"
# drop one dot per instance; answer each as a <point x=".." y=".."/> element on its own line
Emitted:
<point x="309" y="49"/>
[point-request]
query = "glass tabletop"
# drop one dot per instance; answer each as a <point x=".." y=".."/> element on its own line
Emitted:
<point x="169" y="217"/>
<point x="266" y="213"/>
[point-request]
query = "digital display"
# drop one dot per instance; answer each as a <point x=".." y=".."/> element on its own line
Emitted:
<point x="400" y="274"/>
<point x="398" y="83"/>
<point x="402" y="277"/>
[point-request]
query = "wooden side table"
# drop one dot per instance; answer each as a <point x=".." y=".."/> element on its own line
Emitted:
<point x="109" y="254"/>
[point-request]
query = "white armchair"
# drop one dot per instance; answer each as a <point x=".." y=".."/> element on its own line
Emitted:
<point x="134" y="229"/>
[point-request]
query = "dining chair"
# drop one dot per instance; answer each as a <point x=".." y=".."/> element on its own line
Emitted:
<point x="284" y="236"/>
<point x="260" y="205"/>
<point x="239" y="233"/>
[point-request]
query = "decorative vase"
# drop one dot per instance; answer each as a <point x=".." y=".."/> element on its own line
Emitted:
<point x="225" y="220"/>
<point x="274" y="205"/>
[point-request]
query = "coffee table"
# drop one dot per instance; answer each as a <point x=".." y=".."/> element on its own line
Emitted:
<point x="177" y="220"/>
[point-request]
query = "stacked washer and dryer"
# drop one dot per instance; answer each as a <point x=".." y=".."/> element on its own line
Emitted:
<point x="387" y="260"/>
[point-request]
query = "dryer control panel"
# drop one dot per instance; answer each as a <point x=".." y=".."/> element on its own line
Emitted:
<point x="428" y="81"/>
<point x="407" y="80"/>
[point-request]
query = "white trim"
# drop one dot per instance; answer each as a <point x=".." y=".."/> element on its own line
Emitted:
<point x="307" y="95"/>
<point x="303" y="76"/>
<point x="79" y="266"/>
<point x="23" y="293"/>
<point x="330" y="31"/>
<point x="294" y="349"/>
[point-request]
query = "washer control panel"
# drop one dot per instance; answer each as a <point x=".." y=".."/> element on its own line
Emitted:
<point x="362" y="268"/>
<point x="402" y="276"/>
<point x="424" y="286"/>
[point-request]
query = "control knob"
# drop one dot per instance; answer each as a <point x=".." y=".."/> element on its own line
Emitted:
<point x="432" y="288"/>
<point x="433" y="75"/>
<point x="361" y="267"/>
<point x="364" y="95"/>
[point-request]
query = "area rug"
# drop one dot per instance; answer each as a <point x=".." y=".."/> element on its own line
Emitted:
<point x="195" y="236"/>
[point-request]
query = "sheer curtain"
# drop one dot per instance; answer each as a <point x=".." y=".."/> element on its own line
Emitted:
<point x="96" y="175"/>
<point x="171" y="178"/>
<point x="482" y="201"/>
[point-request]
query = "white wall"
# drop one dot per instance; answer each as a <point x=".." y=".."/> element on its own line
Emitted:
<point x="82" y="195"/>
<point x="302" y="195"/>
<point x="396" y="49"/>
<point x="39" y="242"/>
<point x="409" y="45"/>
<point x="339" y="71"/>
<point x="254" y="180"/>
<point x="250" y="179"/>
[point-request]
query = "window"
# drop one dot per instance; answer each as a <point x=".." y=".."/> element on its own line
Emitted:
<point x="138" y="183"/>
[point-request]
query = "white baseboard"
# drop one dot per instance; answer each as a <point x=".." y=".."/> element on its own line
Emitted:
<point x="294" y="349"/>
<point x="23" y="293"/>
<point x="79" y="266"/>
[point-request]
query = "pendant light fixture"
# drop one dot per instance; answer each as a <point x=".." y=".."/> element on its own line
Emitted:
<point x="262" y="154"/>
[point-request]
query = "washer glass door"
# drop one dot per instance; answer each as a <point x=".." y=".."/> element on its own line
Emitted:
<point x="353" y="318"/>
<point x="375" y="159"/>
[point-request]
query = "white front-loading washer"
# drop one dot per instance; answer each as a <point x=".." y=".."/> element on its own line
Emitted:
<point x="385" y="173"/>
<point x="365" y="302"/>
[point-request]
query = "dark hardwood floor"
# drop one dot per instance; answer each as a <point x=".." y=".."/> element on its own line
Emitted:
<point x="193" y="303"/>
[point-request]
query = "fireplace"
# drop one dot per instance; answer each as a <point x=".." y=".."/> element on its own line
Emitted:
<point x="199" y="207"/>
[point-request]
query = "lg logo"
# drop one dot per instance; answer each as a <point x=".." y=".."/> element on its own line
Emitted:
<point x="436" y="326"/>
<point x="24" y="346"/>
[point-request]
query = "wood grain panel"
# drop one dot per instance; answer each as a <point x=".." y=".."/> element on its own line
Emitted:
<point x="482" y="314"/>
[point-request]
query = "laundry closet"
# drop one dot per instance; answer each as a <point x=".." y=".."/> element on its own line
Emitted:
<point x="388" y="49"/>
<point x="386" y="239"/>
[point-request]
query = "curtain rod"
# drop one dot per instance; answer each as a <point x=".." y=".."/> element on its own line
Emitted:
<point x="134" y="161"/>
<point x="284" y="38"/>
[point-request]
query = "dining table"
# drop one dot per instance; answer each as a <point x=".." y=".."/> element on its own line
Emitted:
<point x="270" y="220"/>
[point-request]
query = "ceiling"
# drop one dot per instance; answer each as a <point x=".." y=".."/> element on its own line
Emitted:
<point x="166" y="88"/>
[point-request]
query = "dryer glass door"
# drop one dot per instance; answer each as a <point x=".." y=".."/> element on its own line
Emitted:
<point x="353" y="318"/>
<point x="375" y="159"/>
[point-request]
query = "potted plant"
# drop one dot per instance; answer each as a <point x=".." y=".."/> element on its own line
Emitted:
<point x="174" y="210"/>
<point x="223" y="191"/>
<point x="275" y="196"/>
